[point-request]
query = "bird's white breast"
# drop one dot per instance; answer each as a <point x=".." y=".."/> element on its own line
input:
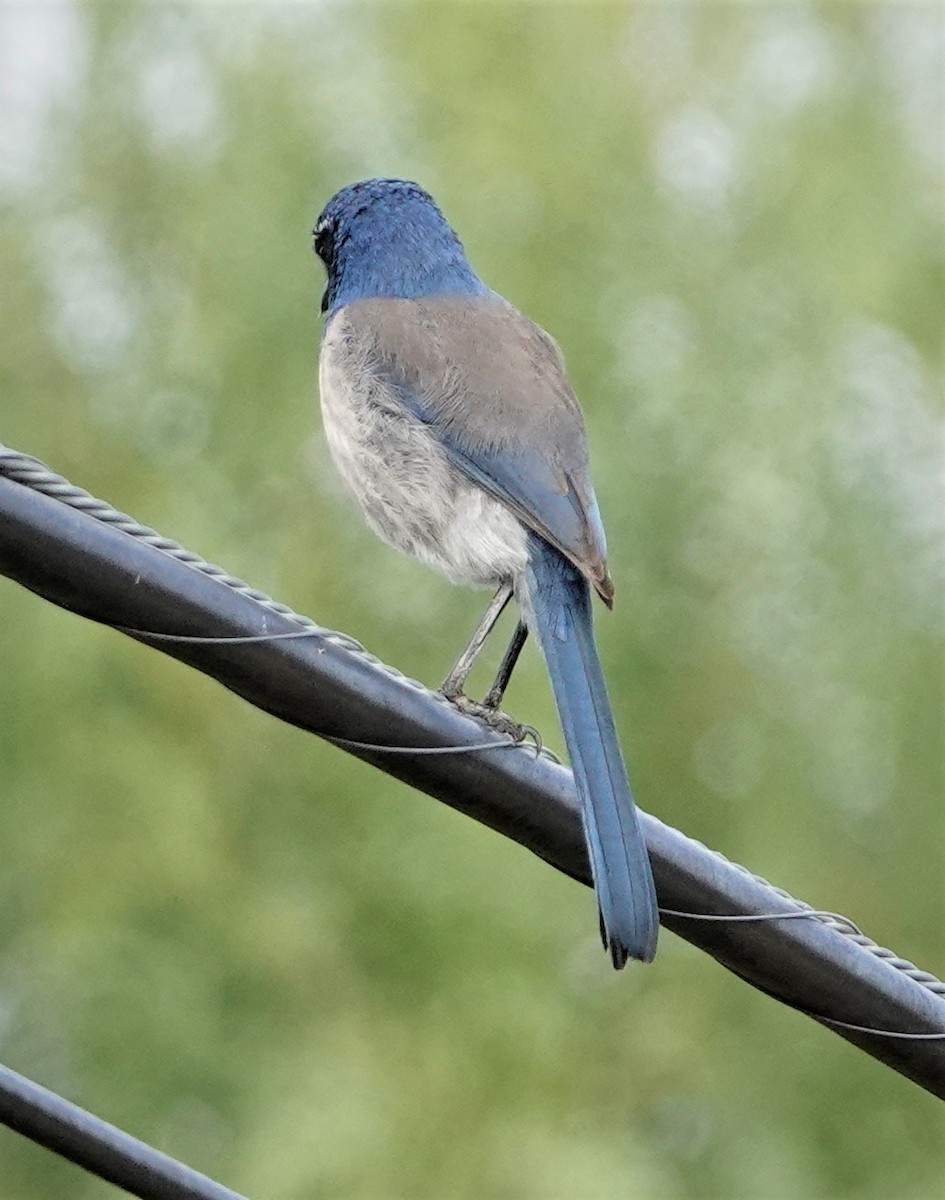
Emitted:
<point x="409" y="492"/>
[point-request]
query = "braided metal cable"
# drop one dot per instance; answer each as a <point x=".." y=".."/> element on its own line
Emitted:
<point x="845" y="926"/>
<point x="32" y="473"/>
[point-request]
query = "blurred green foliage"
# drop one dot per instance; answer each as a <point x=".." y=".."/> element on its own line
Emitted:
<point x="284" y="967"/>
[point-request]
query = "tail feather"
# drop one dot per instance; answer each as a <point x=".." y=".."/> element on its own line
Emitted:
<point x="559" y="599"/>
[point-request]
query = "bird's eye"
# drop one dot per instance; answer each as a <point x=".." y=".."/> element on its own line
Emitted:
<point x="321" y="236"/>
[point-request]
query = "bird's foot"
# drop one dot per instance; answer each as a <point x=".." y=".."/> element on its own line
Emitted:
<point x="499" y="721"/>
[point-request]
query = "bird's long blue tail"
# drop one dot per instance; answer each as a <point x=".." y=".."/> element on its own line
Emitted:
<point x="560" y="602"/>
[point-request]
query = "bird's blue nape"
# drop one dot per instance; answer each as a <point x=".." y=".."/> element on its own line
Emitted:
<point x="387" y="237"/>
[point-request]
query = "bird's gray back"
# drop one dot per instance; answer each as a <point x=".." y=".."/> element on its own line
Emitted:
<point x="410" y="493"/>
<point x="492" y="386"/>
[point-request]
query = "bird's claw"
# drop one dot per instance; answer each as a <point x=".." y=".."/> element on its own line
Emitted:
<point x="499" y="721"/>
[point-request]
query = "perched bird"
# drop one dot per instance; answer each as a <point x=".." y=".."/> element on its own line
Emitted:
<point x="450" y="417"/>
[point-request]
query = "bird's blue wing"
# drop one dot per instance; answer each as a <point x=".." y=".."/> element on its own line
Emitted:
<point x="492" y="387"/>
<point x="525" y="479"/>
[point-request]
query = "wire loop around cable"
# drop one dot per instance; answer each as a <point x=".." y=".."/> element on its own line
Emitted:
<point x="226" y="640"/>
<point x="819" y="913"/>
<point x="527" y="731"/>
<point x="378" y="748"/>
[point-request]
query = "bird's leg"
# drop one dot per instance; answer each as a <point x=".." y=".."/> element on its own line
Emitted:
<point x="487" y="710"/>
<point x="493" y="697"/>
<point x="452" y="687"/>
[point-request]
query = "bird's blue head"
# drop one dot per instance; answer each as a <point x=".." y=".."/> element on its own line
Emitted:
<point x="386" y="237"/>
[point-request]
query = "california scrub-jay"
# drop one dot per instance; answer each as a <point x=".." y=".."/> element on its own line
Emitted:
<point x="450" y="416"/>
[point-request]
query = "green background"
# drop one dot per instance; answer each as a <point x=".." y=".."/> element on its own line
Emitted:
<point x="274" y="962"/>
